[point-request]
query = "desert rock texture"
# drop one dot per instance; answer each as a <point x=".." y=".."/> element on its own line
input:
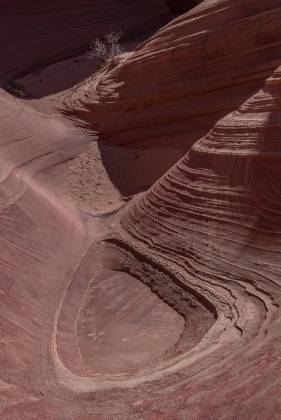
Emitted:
<point x="140" y="232"/>
<point x="34" y="33"/>
<point x="181" y="81"/>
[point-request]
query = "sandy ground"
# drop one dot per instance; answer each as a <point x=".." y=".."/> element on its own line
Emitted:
<point x="106" y="176"/>
<point x="103" y="177"/>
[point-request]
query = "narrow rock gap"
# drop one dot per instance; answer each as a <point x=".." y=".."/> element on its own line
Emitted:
<point x="177" y="7"/>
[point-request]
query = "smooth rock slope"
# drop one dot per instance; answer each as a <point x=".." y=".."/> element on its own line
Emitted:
<point x="72" y="322"/>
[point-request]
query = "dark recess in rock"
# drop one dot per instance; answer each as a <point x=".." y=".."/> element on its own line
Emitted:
<point x="181" y="6"/>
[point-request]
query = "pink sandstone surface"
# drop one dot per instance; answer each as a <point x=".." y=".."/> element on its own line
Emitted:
<point x="129" y="290"/>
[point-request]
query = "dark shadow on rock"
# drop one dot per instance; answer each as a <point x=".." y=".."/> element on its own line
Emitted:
<point x="134" y="170"/>
<point x="181" y="6"/>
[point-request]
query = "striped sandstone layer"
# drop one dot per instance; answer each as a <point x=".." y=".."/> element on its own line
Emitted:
<point x="213" y="221"/>
<point x="196" y="69"/>
<point x="34" y="34"/>
<point x="169" y="308"/>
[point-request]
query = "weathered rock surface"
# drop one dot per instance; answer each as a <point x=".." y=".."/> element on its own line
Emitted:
<point x="169" y="308"/>
<point x="192" y="72"/>
<point x="214" y="221"/>
<point x="70" y="317"/>
<point x="34" y="34"/>
<point x="205" y="238"/>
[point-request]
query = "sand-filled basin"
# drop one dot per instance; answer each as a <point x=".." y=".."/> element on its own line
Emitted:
<point x="123" y="325"/>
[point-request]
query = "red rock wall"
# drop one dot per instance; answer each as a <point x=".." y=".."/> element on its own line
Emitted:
<point x="36" y="33"/>
<point x="214" y="221"/>
<point x="188" y="75"/>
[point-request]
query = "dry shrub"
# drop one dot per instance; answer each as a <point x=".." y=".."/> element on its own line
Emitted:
<point x="107" y="50"/>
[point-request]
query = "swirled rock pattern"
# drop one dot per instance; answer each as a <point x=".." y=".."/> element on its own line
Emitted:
<point x="74" y="326"/>
<point x="214" y="221"/>
<point x="33" y="34"/>
<point x="205" y="238"/>
<point x="192" y="72"/>
<point x="168" y="308"/>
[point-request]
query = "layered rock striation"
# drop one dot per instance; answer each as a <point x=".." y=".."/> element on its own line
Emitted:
<point x="213" y="221"/>
<point x="33" y="35"/>
<point x="192" y="72"/>
<point x="170" y="307"/>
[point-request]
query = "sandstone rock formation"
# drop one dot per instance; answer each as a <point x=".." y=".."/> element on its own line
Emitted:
<point x="192" y="72"/>
<point x="205" y="238"/>
<point x="214" y="222"/>
<point x="35" y="34"/>
<point x="168" y="306"/>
